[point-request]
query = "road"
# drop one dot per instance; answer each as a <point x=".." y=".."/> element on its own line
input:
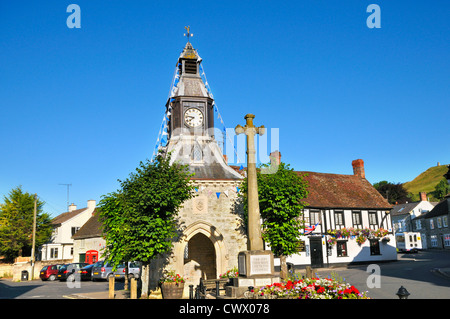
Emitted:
<point x="37" y="289"/>
<point x="416" y="272"/>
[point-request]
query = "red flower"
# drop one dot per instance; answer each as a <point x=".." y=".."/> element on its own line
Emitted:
<point x="289" y="285"/>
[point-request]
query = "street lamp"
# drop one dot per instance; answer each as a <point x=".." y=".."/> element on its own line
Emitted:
<point x="402" y="293"/>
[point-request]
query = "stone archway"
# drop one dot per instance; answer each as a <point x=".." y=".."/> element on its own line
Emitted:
<point x="200" y="257"/>
<point x="197" y="235"/>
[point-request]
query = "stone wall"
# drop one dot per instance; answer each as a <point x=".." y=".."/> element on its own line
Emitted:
<point x="6" y="270"/>
<point x="216" y="213"/>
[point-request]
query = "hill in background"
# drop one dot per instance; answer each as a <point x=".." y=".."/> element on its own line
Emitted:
<point x="426" y="182"/>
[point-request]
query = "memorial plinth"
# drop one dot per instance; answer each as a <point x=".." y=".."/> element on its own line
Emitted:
<point x="256" y="269"/>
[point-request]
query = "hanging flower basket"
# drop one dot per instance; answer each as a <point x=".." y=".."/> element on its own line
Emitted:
<point x="361" y="235"/>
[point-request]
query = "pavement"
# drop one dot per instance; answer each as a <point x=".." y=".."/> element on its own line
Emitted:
<point x="121" y="294"/>
<point x="118" y="294"/>
<point x="443" y="271"/>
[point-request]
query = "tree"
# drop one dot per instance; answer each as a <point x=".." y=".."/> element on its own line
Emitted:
<point x="281" y="202"/>
<point x="394" y="193"/>
<point x="16" y="223"/>
<point x="441" y="189"/>
<point x="140" y="219"/>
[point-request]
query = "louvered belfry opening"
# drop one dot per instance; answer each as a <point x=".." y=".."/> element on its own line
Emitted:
<point x="190" y="66"/>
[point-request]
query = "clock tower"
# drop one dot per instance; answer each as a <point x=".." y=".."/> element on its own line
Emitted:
<point x="212" y="233"/>
<point x="191" y="122"/>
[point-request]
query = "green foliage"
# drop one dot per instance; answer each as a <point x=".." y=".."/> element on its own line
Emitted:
<point x="140" y="219"/>
<point x="281" y="202"/>
<point x="394" y="193"/>
<point x="16" y="223"/>
<point x="441" y="189"/>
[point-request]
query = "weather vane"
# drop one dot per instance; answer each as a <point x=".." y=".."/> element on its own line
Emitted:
<point x="188" y="34"/>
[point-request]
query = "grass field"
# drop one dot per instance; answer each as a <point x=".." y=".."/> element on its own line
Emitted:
<point x="426" y="181"/>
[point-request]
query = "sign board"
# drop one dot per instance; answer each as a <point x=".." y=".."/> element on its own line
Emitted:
<point x="301" y="248"/>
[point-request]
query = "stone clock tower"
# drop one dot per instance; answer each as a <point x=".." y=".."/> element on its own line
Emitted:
<point x="211" y="231"/>
<point x="191" y="122"/>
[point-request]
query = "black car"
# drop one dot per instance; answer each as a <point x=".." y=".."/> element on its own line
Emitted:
<point x="86" y="272"/>
<point x="68" y="272"/>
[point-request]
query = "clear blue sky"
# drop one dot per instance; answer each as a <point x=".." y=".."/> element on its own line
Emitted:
<point x="84" y="106"/>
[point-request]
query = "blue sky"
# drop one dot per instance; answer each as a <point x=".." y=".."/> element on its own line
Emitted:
<point x="84" y="106"/>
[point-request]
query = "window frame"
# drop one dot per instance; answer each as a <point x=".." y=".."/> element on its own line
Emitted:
<point x="339" y="222"/>
<point x="316" y="219"/>
<point x="373" y="224"/>
<point x="341" y="252"/>
<point x="359" y="215"/>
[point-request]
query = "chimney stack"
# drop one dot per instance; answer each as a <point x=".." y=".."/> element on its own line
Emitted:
<point x="358" y="168"/>
<point x="91" y="204"/>
<point x="72" y="207"/>
<point x="423" y="196"/>
<point x="275" y="157"/>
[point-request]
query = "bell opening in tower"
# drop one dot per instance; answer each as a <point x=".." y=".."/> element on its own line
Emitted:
<point x="190" y="66"/>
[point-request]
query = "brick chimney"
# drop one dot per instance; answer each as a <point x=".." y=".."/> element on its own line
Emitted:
<point x="423" y="196"/>
<point x="275" y="157"/>
<point x="358" y="168"/>
<point x="72" y="207"/>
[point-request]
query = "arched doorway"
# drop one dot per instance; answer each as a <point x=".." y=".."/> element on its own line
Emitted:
<point x="200" y="257"/>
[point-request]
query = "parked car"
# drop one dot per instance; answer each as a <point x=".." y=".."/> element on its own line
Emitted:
<point x="86" y="272"/>
<point x="134" y="270"/>
<point x="102" y="270"/>
<point x="49" y="272"/>
<point x="67" y="272"/>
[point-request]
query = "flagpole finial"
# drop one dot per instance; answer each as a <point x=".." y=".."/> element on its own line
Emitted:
<point x="188" y="33"/>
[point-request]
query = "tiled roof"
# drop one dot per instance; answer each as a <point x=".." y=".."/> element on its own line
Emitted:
<point x="339" y="191"/>
<point x="58" y="220"/>
<point x="92" y="228"/>
<point x="342" y="191"/>
<point x="442" y="208"/>
<point x="403" y="209"/>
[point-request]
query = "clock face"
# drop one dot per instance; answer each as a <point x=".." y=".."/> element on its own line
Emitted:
<point x="193" y="117"/>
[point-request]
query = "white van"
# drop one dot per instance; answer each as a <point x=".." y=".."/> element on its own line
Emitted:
<point x="408" y="242"/>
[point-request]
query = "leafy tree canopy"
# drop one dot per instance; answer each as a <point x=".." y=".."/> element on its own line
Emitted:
<point x="441" y="189"/>
<point x="281" y="200"/>
<point x="140" y="219"/>
<point x="394" y="193"/>
<point x="16" y="223"/>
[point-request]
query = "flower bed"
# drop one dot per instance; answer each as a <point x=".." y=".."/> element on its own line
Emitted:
<point x="311" y="288"/>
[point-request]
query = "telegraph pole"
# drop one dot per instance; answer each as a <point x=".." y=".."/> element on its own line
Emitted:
<point x="68" y="185"/>
<point x="34" y="237"/>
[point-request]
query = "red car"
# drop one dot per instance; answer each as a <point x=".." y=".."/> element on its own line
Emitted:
<point x="49" y="272"/>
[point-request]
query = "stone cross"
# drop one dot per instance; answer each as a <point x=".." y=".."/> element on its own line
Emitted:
<point x="254" y="223"/>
